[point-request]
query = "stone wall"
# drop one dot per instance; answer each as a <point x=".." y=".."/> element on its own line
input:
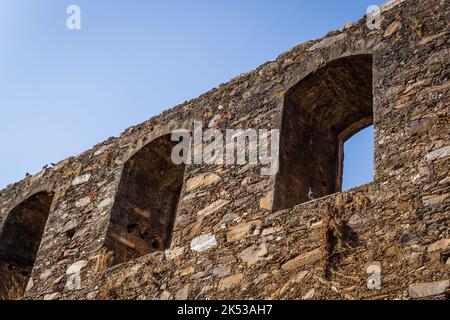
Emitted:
<point x="227" y="241"/>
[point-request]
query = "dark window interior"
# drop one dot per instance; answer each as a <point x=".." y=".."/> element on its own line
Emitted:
<point x="19" y="243"/>
<point x="146" y="202"/>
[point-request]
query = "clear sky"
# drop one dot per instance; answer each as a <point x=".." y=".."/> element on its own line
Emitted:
<point x="358" y="159"/>
<point x="61" y="91"/>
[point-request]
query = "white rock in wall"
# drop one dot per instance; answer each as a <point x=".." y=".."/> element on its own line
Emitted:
<point x="51" y="296"/>
<point x="174" y="253"/>
<point x="83" y="202"/>
<point x="203" y="243"/>
<point x="30" y="285"/>
<point x="73" y="282"/>
<point x="45" y="275"/>
<point x="76" y="267"/>
<point x="215" y="121"/>
<point x="101" y="150"/>
<point x="309" y="295"/>
<point x="81" y="179"/>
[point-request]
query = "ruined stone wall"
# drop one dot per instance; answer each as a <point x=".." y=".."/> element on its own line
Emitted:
<point x="227" y="242"/>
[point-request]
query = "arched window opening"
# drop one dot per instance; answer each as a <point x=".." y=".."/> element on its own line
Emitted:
<point x="19" y="243"/>
<point x="321" y="112"/>
<point x="146" y="201"/>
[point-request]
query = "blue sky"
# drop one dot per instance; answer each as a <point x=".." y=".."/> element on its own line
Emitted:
<point x="62" y="91"/>
<point x="358" y="159"/>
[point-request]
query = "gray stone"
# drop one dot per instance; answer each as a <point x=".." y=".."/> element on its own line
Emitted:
<point x="328" y="42"/>
<point x="422" y="290"/>
<point x="203" y="243"/>
<point x="81" y="179"/>
<point x="91" y="295"/>
<point x="438" y="154"/>
<point x="221" y="271"/>
<point x="198" y="275"/>
<point x="83" y="202"/>
<point x="51" y="296"/>
<point x="408" y="238"/>
<point x="253" y="255"/>
<point x="230" y="217"/>
<point x="73" y="282"/>
<point x="76" y="267"/>
<point x="174" y="253"/>
<point x="44" y="275"/>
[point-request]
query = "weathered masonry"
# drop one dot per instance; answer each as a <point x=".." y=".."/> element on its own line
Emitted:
<point x="121" y="221"/>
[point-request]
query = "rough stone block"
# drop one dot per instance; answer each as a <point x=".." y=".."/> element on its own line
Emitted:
<point x="434" y="200"/>
<point x="439" y="245"/>
<point x="230" y="282"/>
<point x="253" y="255"/>
<point x="203" y="243"/>
<point x="438" y="154"/>
<point x="243" y="230"/>
<point x="212" y="208"/>
<point x="302" y="260"/>
<point x="423" y="290"/>
<point x="201" y="181"/>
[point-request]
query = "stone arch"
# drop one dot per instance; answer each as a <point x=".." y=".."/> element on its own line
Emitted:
<point x="20" y="240"/>
<point x="146" y="200"/>
<point x="320" y="112"/>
